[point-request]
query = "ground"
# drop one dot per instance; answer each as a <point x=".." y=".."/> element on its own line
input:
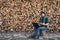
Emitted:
<point x="23" y="36"/>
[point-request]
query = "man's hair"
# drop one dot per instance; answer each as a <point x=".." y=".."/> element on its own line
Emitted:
<point x="42" y="12"/>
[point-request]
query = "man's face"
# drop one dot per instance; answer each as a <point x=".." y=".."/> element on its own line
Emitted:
<point x="43" y="14"/>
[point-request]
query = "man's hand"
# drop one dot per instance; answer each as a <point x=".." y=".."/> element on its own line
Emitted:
<point x="40" y="24"/>
<point x="43" y="24"/>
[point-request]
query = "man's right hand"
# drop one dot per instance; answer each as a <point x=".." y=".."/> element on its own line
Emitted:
<point x="40" y="24"/>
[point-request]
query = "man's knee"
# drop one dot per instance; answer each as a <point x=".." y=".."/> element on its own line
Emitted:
<point x="35" y="25"/>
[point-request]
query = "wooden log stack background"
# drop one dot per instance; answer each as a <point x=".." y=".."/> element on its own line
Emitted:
<point x="18" y="15"/>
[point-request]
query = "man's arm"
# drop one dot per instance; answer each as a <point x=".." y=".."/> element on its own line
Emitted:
<point x="45" y="24"/>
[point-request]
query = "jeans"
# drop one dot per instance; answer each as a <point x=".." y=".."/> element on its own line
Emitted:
<point x="37" y="29"/>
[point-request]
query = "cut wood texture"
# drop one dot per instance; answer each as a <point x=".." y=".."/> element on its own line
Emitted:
<point x="18" y="15"/>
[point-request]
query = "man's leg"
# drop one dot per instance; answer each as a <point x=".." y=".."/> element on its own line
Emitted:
<point x="37" y="32"/>
<point x="36" y="26"/>
<point x="44" y="31"/>
<point x="35" y="29"/>
<point x="41" y="34"/>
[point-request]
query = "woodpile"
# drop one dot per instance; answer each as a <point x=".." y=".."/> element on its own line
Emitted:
<point x="18" y="15"/>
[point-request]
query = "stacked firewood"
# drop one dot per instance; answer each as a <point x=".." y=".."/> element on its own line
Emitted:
<point x="18" y="15"/>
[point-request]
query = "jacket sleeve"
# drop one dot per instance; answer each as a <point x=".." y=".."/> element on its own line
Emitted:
<point x="40" y="20"/>
<point x="46" y="20"/>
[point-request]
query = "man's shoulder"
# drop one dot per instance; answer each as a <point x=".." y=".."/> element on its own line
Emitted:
<point x="45" y="17"/>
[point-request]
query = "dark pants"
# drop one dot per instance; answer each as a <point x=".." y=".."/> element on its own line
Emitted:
<point x="38" y="29"/>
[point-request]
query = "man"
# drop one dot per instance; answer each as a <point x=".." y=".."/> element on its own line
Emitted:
<point x="43" y="22"/>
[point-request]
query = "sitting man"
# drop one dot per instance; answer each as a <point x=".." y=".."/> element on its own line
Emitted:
<point x="43" y="22"/>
